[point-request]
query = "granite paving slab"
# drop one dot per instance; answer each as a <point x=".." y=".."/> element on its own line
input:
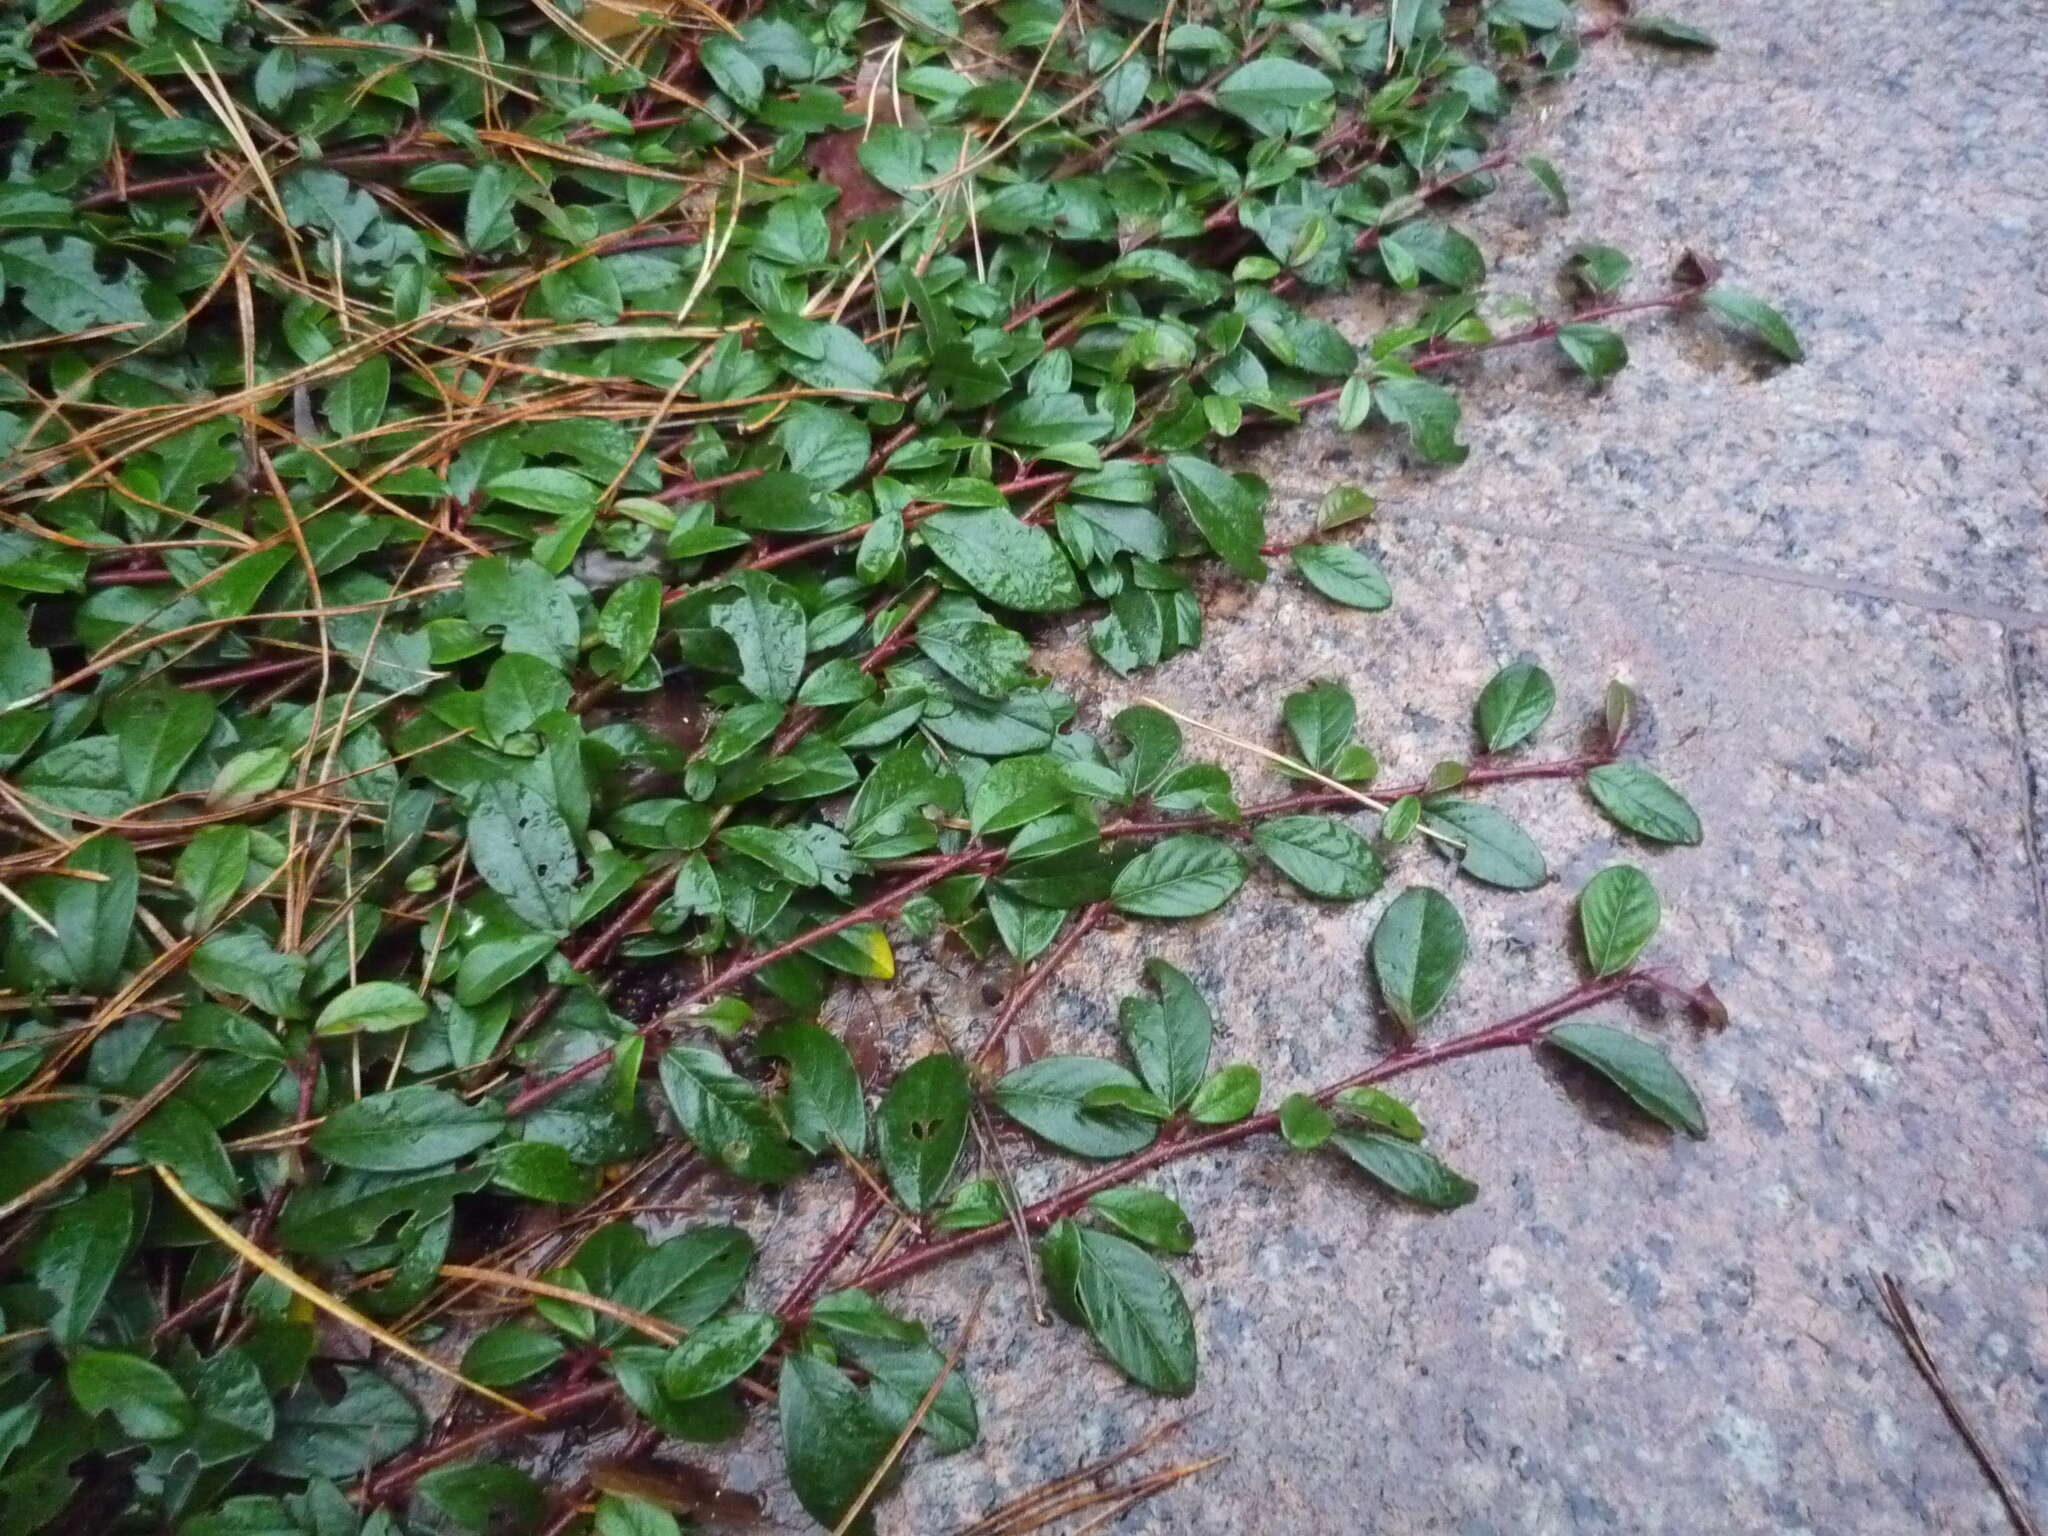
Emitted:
<point x="1877" y="172"/>
<point x="1626" y="1332"/>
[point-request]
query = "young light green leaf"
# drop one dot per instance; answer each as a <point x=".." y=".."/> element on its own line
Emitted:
<point x="1304" y="1123"/>
<point x="1381" y="1110"/>
<point x="1227" y="1096"/>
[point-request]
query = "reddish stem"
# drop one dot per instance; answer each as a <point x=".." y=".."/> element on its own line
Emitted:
<point x="1522" y="1029"/>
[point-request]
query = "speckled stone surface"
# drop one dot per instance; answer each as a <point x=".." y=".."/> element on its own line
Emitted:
<point x="1876" y="171"/>
<point x="1824" y="581"/>
<point x="1626" y="1332"/>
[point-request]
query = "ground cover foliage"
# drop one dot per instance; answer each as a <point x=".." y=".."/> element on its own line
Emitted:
<point x="525" y="529"/>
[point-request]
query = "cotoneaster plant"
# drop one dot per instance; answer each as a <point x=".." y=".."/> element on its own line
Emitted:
<point x="525" y="531"/>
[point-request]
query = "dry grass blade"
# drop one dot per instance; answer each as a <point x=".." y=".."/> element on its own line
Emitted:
<point x="307" y="1291"/>
<point x="1899" y="1313"/>
<point x="1296" y="766"/>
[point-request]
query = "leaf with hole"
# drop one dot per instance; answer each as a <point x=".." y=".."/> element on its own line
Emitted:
<point x="922" y="1126"/>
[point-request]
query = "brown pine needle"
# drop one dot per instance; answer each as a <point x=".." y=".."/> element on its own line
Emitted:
<point x="307" y="1291"/>
<point x="1899" y="1313"/>
<point x="1295" y="765"/>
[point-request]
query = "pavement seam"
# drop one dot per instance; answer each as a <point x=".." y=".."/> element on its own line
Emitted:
<point x="2030" y="810"/>
<point x="1840" y="586"/>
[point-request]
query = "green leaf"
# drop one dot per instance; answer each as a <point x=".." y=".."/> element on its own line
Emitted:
<point x="921" y="1127"/>
<point x="1269" y="84"/>
<point x="1227" y="1097"/>
<point x="1183" y="876"/>
<point x="1320" y="719"/>
<point x="1596" y="351"/>
<point x="1546" y="177"/>
<point x="1639" y="1069"/>
<point x="832" y="1439"/>
<point x="1321" y="855"/>
<point x="1344" y="575"/>
<point x="487" y="1497"/>
<point x="718" y="1354"/>
<point x="524" y="851"/>
<point x="1381" y="1110"/>
<point x="407" y="1129"/>
<point x="58" y="280"/>
<point x="94" y="919"/>
<point x="1514" y="704"/>
<point x="1754" y="318"/>
<point x="1618" y="915"/>
<point x="765" y="623"/>
<point x="726" y="1116"/>
<point x="1130" y="1305"/>
<point x="1146" y="1216"/>
<point x="825" y="1105"/>
<point x="1494" y="849"/>
<point x="142" y="1397"/>
<point x="74" y="1260"/>
<point x="1015" y="791"/>
<point x="1417" y="950"/>
<point x="1669" y="31"/>
<point x="562" y="492"/>
<point x="509" y="1354"/>
<point x="540" y="1170"/>
<point x="1406" y="1169"/>
<point x="1231" y="517"/>
<point x="210" y="870"/>
<point x="158" y="730"/>
<point x="1635" y="798"/>
<point x="978" y="1203"/>
<point x="1168" y="1039"/>
<point x="1049" y="1097"/>
<point x="521" y="600"/>
<point x="1304" y="1122"/>
<point x="1428" y="412"/>
<point x="370" y="1007"/>
<point x="1005" y="560"/>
